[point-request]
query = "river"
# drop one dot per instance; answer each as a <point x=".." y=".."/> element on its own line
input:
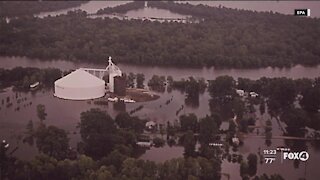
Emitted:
<point x="295" y="72"/>
<point x="90" y="7"/>
<point x="283" y="7"/>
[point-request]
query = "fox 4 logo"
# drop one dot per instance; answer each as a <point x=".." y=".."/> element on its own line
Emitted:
<point x="302" y="156"/>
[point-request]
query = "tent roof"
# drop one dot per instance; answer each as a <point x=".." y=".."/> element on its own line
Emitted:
<point x="79" y="78"/>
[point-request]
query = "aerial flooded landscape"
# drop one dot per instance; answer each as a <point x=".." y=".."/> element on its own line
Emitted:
<point x="159" y="90"/>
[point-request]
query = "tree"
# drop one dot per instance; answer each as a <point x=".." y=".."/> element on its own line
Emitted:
<point x="222" y="86"/>
<point x="268" y="132"/>
<point x="170" y="80"/>
<point x="41" y="112"/>
<point x="157" y="83"/>
<point x="282" y="95"/>
<point x="115" y="158"/>
<point x="208" y="129"/>
<point x="4" y="159"/>
<point x="52" y="141"/>
<point x="210" y="169"/>
<point x="98" y="133"/>
<point x="139" y="169"/>
<point x="243" y="168"/>
<point x="272" y="177"/>
<point x="295" y="119"/>
<point x="311" y="99"/>
<point x="252" y="164"/>
<point x="42" y="167"/>
<point x="188" y="122"/>
<point x="189" y="143"/>
<point x="238" y="107"/>
<point x="192" y="88"/>
<point x="262" y="107"/>
<point x="123" y="120"/>
<point x="101" y="174"/>
<point x="130" y="80"/>
<point x="140" y="80"/>
<point x="232" y="128"/>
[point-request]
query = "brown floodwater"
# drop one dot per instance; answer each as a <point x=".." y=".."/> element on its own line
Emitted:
<point x="66" y="114"/>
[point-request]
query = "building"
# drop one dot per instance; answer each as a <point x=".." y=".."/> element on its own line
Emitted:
<point x="113" y="71"/>
<point x="120" y="85"/>
<point x="240" y="92"/>
<point x="88" y="83"/>
<point x="144" y="144"/>
<point x="253" y="94"/>
<point x="150" y="125"/>
<point x="235" y="141"/>
<point x="79" y="85"/>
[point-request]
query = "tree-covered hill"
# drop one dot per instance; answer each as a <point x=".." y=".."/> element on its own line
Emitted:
<point x="226" y="38"/>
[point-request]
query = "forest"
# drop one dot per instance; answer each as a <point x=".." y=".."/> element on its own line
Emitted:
<point x="22" y="8"/>
<point x="225" y="38"/>
<point x="21" y="78"/>
<point x="122" y="8"/>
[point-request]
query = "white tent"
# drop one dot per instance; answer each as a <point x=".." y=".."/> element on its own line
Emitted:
<point x="79" y="85"/>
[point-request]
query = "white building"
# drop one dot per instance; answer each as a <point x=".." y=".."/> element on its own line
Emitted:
<point x="253" y="94"/>
<point x="79" y="85"/>
<point x="235" y="141"/>
<point x="240" y="92"/>
<point x="86" y="83"/>
<point x="113" y="71"/>
<point x="150" y="125"/>
<point x="144" y="144"/>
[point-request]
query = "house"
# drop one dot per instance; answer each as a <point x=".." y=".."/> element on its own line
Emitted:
<point x="34" y="85"/>
<point x="144" y="141"/>
<point x="253" y="94"/>
<point x="240" y="92"/>
<point x="144" y="144"/>
<point x="235" y="141"/>
<point x="150" y="125"/>
<point x="113" y="99"/>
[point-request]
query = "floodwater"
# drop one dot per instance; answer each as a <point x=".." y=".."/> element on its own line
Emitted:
<point x="90" y="7"/>
<point x="66" y="114"/>
<point x="283" y="7"/>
